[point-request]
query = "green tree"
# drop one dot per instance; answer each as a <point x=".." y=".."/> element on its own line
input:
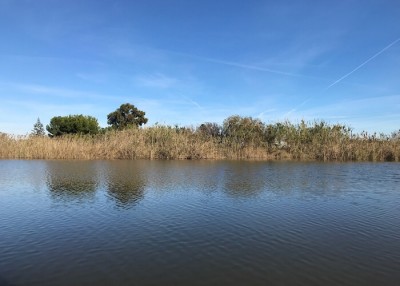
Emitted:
<point x="243" y="130"/>
<point x="38" y="129"/>
<point x="126" y="115"/>
<point x="72" y="124"/>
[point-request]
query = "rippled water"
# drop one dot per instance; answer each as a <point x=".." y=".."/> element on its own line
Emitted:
<point x="199" y="223"/>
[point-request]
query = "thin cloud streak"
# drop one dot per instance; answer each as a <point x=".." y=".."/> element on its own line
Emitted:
<point x="238" y="65"/>
<point x="156" y="80"/>
<point x="195" y="103"/>
<point x="363" y="107"/>
<point x="343" y="77"/>
<point x="128" y="53"/>
<point x="363" y="64"/>
<point x="56" y="91"/>
<point x="251" y="67"/>
<point x="261" y="114"/>
<point x="43" y="59"/>
<point x="295" y="109"/>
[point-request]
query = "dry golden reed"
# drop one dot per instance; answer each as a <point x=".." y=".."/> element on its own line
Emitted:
<point x="295" y="142"/>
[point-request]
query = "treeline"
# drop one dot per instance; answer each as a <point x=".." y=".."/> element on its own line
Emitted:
<point x="126" y="116"/>
<point x="237" y="138"/>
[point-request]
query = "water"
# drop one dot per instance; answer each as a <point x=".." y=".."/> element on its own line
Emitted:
<point x="199" y="223"/>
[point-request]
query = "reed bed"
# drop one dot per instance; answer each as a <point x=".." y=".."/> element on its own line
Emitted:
<point x="281" y="141"/>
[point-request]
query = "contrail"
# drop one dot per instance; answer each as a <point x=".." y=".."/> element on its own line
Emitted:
<point x="193" y="102"/>
<point x="251" y="67"/>
<point x="346" y="75"/>
<point x="239" y="65"/>
<point x="364" y="63"/>
<point x="295" y="108"/>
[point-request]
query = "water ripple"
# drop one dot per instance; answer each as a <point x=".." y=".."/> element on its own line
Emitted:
<point x="198" y="223"/>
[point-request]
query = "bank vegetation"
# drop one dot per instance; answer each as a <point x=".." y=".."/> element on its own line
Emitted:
<point x="237" y="138"/>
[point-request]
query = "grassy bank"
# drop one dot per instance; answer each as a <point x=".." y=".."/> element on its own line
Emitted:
<point x="241" y="138"/>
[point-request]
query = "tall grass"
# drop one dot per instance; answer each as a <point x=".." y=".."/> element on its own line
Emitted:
<point x="238" y="138"/>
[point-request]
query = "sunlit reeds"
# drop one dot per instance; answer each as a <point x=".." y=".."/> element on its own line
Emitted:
<point x="237" y="139"/>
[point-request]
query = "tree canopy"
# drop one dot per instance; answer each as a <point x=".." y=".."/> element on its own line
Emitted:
<point x="38" y="129"/>
<point x="72" y="124"/>
<point x="243" y="129"/>
<point x="126" y="115"/>
<point x="210" y="129"/>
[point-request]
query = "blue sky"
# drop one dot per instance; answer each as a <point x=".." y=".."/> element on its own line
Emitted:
<point x="188" y="62"/>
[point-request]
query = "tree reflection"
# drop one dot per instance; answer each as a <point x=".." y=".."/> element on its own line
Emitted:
<point x="283" y="179"/>
<point x="307" y="179"/>
<point x="244" y="180"/>
<point x="71" y="181"/>
<point x="125" y="183"/>
<point x="126" y="193"/>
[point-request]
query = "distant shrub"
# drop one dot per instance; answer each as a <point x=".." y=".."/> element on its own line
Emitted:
<point x="210" y="129"/>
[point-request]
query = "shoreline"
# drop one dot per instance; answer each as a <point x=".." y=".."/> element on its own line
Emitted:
<point x="167" y="143"/>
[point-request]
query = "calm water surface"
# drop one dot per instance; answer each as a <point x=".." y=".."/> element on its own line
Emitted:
<point x="199" y="223"/>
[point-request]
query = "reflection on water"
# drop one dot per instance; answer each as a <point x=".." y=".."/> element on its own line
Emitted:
<point x="68" y="181"/>
<point x="242" y="180"/>
<point x="71" y="181"/>
<point x="125" y="183"/>
<point x="198" y="223"/>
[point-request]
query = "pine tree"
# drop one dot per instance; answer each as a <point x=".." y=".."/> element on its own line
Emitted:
<point x="38" y="129"/>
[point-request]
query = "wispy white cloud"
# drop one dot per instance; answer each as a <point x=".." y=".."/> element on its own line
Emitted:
<point x="53" y="91"/>
<point x="353" y="105"/>
<point x="93" y="77"/>
<point x="53" y="101"/>
<point x="34" y="106"/>
<point x="251" y="67"/>
<point x="195" y="103"/>
<point x="163" y="56"/>
<point x="40" y="89"/>
<point x="262" y="114"/>
<point x="238" y="65"/>
<point x="157" y="80"/>
<point x="343" y="77"/>
<point x="362" y="113"/>
<point x="48" y="59"/>
<point x="138" y="54"/>
<point x="303" y="52"/>
<point x="77" y="97"/>
<point x="34" y="109"/>
<point x="296" y="108"/>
